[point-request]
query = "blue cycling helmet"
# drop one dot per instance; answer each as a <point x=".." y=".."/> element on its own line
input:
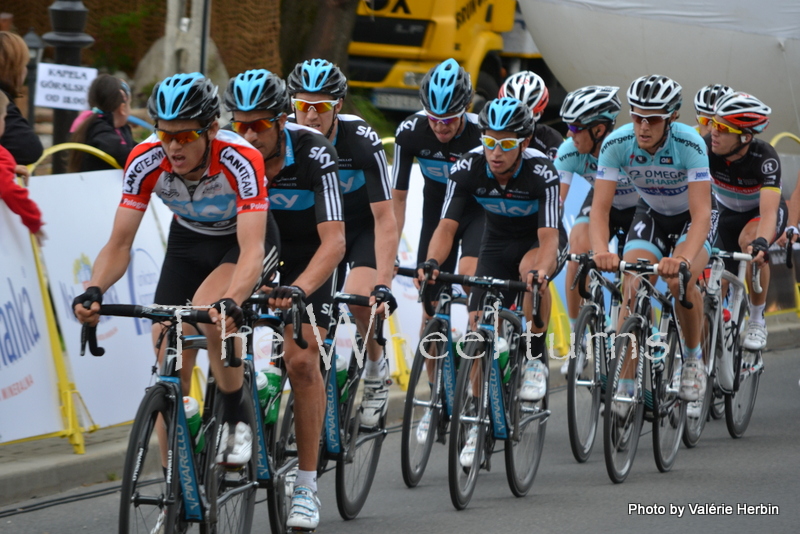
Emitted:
<point x="317" y="76"/>
<point x="446" y="89"/>
<point x="184" y="97"/>
<point x="256" y="90"/>
<point x="507" y="115"/>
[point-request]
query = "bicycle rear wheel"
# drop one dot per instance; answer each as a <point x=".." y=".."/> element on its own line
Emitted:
<point x="584" y="384"/>
<point x="424" y="404"/>
<point x="670" y="411"/>
<point x="623" y="415"/>
<point x="469" y="411"/>
<point x="282" y="443"/>
<point x="231" y="491"/>
<point x="355" y="469"/>
<point x="527" y="426"/>
<point x="697" y="411"/>
<point x="739" y="405"/>
<point x="148" y="500"/>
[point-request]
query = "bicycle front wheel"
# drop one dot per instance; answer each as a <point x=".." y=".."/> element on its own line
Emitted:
<point x="624" y="413"/>
<point x="468" y="425"/>
<point x="697" y="411"/>
<point x="739" y="405"/>
<point x="231" y="491"/>
<point x="669" y="410"/>
<point x="148" y="500"/>
<point x="282" y="443"/>
<point x="355" y="469"/>
<point x="584" y="383"/>
<point x="528" y="423"/>
<point x="424" y="404"/>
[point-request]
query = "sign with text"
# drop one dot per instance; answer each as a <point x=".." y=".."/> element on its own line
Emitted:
<point x="63" y="86"/>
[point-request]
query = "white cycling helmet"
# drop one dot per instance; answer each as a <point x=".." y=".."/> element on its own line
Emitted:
<point x="744" y="111"/>
<point x="591" y="104"/>
<point x="706" y="97"/>
<point x="655" y="92"/>
<point x="527" y="87"/>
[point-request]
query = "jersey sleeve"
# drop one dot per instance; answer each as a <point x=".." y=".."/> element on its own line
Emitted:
<point x="771" y="169"/>
<point x="376" y="170"/>
<point x="403" y="154"/>
<point x="458" y="197"/>
<point x="324" y="176"/>
<point x="244" y="167"/>
<point x="564" y="162"/>
<point x="141" y="173"/>
<point x="695" y="156"/>
<point x="549" y="200"/>
<point x="609" y="161"/>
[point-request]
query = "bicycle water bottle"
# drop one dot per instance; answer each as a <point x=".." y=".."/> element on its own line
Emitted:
<point x="273" y="376"/>
<point x="341" y="377"/>
<point x="505" y="369"/>
<point x="726" y="361"/>
<point x="195" y="421"/>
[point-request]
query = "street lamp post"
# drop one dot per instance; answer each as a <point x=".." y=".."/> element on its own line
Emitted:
<point x="68" y="19"/>
<point x="35" y="49"/>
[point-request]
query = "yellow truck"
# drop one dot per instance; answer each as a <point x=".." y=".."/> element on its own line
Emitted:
<point x="395" y="42"/>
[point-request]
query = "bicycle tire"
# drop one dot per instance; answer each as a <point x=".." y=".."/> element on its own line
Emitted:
<point x="528" y="425"/>
<point x="358" y="462"/>
<point x="717" y="409"/>
<point x="584" y="385"/>
<point x="669" y="410"/>
<point x="463" y="479"/>
<point x="415" y="452"/>
<point x="231" y="492"/>
<point x="621" y="427"/>
<point x="282" y="444"/>
<point x="143" y="457"/>
<point x="710" y="343"/>
<point x="739" y="404"/>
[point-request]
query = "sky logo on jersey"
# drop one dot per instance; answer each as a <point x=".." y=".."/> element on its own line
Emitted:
<point x="287" y="199"/>
<point x="369" y="133"/>
<point x="319" y="153"/>
<point x="509" y="208"/>
<point x="665" y="160"/>
<point x="464" y="164"/>
<point x="436" y="170"/>
<point x="407" y="125"/>
<point x="351" y="180"/>
<point x="545" y="172"/>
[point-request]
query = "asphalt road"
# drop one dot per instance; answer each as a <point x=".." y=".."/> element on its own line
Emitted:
<point x="761" y="468"/>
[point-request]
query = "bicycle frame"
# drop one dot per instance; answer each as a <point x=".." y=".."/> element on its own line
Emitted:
<point x="447" y="371"/>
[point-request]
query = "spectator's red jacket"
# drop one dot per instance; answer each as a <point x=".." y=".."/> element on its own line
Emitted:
<point x="16" y="196"/>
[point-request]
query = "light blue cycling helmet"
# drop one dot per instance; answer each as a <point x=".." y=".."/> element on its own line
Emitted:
<point x="507" y="115"/>
<point x="184" y="97"/>
<point x="257" y="89"/>
<point x="446" y="89"/>
<point x="317" y="76"/>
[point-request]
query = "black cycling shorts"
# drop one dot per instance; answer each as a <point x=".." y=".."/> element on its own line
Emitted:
<point x="360" y="251"/>
<point x="731" y="224"/>
<point x="659" y="234"/>
<point x="321" y="300"/>
<point x="500" y="258"/>
<point x="192" y="256"/>
<point x="619" y="221"/>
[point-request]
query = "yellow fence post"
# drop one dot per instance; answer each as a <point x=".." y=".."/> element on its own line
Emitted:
<point x="399" y="345"/>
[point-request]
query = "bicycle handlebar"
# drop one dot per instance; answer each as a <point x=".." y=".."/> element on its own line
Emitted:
<point x="585" y="264"/>
<point x="361" y="300"/>
<point x="89" y="333"/>
<point x="645" y="267"/>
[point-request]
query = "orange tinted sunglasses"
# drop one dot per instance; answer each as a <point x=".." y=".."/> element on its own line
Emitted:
<point x="258" y="125"/>
<point x="323" y="106"/>
<point x="183" y="137"/>
<point x="720" y="127"/>
<point x="702" y="120"/>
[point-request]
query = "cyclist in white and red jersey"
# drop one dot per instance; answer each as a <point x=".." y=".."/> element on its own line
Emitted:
<point x="214" y="182"/>
<point x="667" y="163"/>
<point x="529" y="88"/>
<point x="746" y="182"/>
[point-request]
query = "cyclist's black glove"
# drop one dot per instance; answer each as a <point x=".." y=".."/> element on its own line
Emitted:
<point x="760" y="245"/>
<point x="384" y="294"/>
<point x="429" y="266"/>
<point x="232" y="310"/>
<point x="286" y="292"/>
<point x="92" y="294"/>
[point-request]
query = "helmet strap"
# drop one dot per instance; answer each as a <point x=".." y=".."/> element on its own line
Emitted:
<point x="333" y="125"/>
<point x="278" y="147"/>
<point x="739" y="146"/>
<point x="204" y="161"/>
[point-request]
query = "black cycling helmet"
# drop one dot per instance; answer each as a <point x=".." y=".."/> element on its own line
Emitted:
<point x="256" y="90"/>
<point x="184" y="97"/>
<point x="507" y="115"/>
<point x="655" y="92"/>
<point x="317" y="76"/>
<point x="446" y="89"/>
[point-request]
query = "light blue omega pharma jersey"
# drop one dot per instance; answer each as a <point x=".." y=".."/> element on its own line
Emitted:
<point x="569" y="163"/>
<point x="662" y="179"/>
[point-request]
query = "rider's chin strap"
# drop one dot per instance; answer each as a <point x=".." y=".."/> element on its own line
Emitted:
<point x="739" y="145"/>
<point x="333" y="125"/>
<point x="278" y="147"/>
